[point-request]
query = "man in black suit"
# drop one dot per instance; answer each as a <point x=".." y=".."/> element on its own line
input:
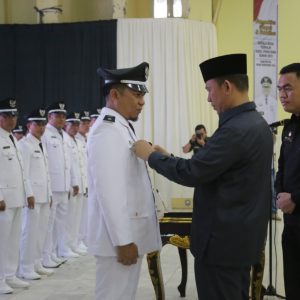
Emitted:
<point x="232" y="179"/>
<point x="288" y="178"/>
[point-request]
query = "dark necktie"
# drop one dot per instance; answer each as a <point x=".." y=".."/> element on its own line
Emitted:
<point x="12" y="139"/>
<point x="41" y="146"/>
<point x="131" y="126"/>
<point x="60" y="132"/>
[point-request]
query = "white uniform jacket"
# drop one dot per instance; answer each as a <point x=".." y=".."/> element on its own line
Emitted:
<point x="59" y="157"/>
<point x="83" y="141"/>
<point x="78" y="162"/>
<point x="80" y="137"/>
<point x="13" y="183"/>
<point x="121" y="204"/>
<point x="36" y="168"/>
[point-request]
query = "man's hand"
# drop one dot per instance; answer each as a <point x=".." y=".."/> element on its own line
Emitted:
<point x="285" y="203"/>
<point x="128" y="254"/>
<point x="161" y="150"/>
<point x="201" y="141"/>
<point x="75" y="190"/>
<point x="193" y="138"/>
<point x="2" y="205"/>
<point x="142" y="149"/>
<point x="30" y="202"/>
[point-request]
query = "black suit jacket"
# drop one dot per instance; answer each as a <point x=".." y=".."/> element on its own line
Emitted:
<point x="232" y="179"/>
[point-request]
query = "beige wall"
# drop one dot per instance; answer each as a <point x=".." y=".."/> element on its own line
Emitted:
<point x="83" y="10"/>
<point x="139" y="9"/>
<point x="2" y="13"/>
<point x="20" y="11"/>
<point x="234" y="22"/>
<point x="234" y="32"/>
<point x="16" y="11"/>
<point x="201" y="10"/>
<point x="288" y="39"/>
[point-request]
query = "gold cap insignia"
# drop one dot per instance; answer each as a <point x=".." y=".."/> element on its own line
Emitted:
<point x="12" y="103"/>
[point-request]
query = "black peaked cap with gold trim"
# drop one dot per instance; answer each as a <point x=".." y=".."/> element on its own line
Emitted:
<point x="73" y="117"/>
<point x="38" y="114"/>
<point x="134" y="77"/>
<point x="19" y="129"/>
<point x="57" y="107"/>
<point x="9" y="105"/>
<point x="85" y="115"/>
<point x="95" y="113"/>
<point x="231" y="64"/>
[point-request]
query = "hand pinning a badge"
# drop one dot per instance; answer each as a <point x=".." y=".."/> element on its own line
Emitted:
<point x="142" y="149"/>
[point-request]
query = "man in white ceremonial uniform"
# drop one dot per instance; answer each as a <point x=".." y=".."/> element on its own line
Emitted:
<point x="62" y="178"/>
<point x="36" y="213"/>
<point x="122" y="223"/>
<point x="13" y="193"/>
<point x="78" y="161"/>
<point x="82" y="135"/>
<point x="94" y="116"/>
<point x="19" y="132"/>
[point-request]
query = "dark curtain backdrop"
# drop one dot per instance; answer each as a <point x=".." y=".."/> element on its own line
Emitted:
<point x="44" y="63"/>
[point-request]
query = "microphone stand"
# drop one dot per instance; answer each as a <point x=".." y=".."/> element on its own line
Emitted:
<point x="271" y="290"/>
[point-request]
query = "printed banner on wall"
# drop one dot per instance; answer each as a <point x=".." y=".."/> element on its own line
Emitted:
<point x="265" y="21"/>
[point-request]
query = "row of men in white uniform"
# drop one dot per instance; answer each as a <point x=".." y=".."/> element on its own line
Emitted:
<point x="43" y="193"/>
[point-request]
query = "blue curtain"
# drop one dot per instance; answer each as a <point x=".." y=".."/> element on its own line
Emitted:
<point x="44" y="63"/>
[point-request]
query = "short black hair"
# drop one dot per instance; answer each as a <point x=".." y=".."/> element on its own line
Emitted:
<point x="118" y="86"/>
<point x="199" y="127"/>
<point x="239" y="80"/>
<point x="291" y="68"/>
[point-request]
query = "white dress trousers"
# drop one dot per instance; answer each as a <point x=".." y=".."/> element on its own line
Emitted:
<point x="62" y="178"/>
<point x="75" y="202"/>
<point x="126" y="279"/>
<point x="84" y="214"/>
<point x="13" y="190"/>
<point x="35" y="221"/>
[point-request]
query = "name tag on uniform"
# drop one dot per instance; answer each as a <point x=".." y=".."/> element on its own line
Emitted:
<point x="37" y="151"/>
<point x="53" y="137"/>
<point x="6" y="147"/>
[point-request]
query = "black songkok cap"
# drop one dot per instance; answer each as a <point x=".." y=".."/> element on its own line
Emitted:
<point x="37" y="115"/>
<point x="9" y="105"/>
<point x="219" y="66"/>
<point x="134" y="77"/>
<point x="73" y="117"/>
<point x="57" y="107"/>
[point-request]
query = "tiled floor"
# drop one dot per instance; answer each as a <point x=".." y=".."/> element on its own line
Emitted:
<point x="75" y="279"/>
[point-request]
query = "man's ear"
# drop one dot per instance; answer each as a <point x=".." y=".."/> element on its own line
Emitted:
<point x="227" y="85"/>
<point x="114" y="93"/>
